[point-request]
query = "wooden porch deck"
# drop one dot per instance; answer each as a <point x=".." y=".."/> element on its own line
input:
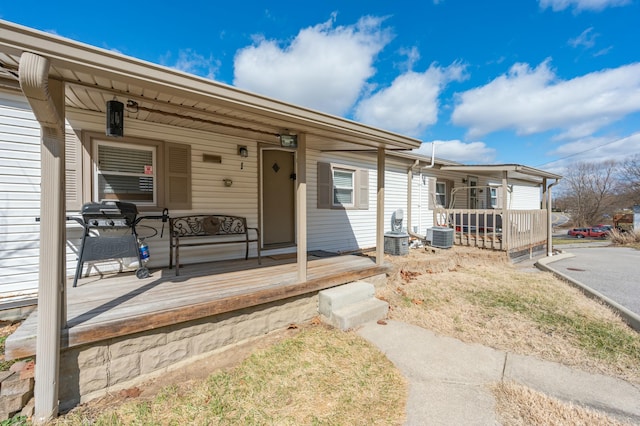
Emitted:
<point x="101" y="308"/>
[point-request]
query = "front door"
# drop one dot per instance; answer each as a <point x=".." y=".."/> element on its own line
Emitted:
<point x="278" y="201"/>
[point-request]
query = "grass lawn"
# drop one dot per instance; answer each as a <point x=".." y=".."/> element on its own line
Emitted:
<point x="316" y="375"/>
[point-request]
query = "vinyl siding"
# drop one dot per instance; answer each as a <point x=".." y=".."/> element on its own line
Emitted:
<point x="336" y="229"/>
<point x="209" y="195"/>
<point x="19" y="197"/>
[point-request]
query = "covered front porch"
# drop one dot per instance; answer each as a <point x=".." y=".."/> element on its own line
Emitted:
<point x="113" y="306"/>
<point x="122" y="331"/>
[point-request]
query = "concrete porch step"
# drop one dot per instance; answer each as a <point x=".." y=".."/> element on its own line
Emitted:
<point x="351" y="305"/>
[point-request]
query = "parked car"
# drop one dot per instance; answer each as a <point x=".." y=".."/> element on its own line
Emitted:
<point x="588" y="232"/>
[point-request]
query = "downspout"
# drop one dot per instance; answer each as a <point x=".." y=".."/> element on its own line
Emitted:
<point x="47" y="102"/>
<point x="549" y="225"/>
<point x="410" y="190"/>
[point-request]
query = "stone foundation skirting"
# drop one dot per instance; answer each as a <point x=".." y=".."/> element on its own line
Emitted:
<point x="95" y="370"/>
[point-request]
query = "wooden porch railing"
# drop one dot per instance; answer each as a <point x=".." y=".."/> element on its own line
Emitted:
<point x="515" y="231"/>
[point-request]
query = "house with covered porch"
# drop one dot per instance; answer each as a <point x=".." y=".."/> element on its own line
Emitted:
<point x="314" y="185"/>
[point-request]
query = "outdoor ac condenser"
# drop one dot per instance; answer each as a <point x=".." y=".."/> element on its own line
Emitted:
<point x="441" y="237"/>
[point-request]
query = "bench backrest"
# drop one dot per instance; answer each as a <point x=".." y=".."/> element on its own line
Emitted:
<point x="206" y="224"/>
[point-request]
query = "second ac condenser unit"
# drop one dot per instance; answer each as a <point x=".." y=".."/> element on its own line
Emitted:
<point x="441" y="237"/>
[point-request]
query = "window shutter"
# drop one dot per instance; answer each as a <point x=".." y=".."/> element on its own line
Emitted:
<point x="363" y="189"/>
<point x="73" y="170"/>
<point x="178" y="176"/>
<point x="324" y="186"/>
<point x="432" y="193"/>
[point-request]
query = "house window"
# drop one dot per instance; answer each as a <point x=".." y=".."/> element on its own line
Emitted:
<point x="126" y="172"/>
<point x="151" y="174"/>
<point x="441" y="194"/>
<point x="343" y="187"/>
<point x="493" y="197"/>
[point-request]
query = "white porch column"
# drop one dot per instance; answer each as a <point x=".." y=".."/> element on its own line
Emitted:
<point x="380" y="209"/>
<point x="301" y="206"/>
<point x="46" y="98"/>
<point x="506" y="221"/>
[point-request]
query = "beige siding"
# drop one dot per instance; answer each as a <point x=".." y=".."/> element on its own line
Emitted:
<point x="209" y="193"/>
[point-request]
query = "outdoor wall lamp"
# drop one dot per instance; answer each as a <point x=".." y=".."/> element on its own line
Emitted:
<point x="115" y="118"/>
<point x="227" y="182"/>
<point x="289" y="141"/>
<point x="243" y="151"/>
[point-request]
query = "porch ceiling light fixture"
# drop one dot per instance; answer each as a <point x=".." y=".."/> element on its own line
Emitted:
<point x="289" y="141"/>
<point x="115" y="118"/>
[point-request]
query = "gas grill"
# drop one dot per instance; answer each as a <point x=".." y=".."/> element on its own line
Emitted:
<point x="99" y="243"/>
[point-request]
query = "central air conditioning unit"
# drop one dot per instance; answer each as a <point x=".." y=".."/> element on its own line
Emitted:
<point x="396" y="242"/>
<point x="440" y="237"/>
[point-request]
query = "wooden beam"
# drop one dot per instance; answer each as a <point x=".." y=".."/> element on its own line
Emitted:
<point x="380" y="208"/>
<point x="301" y="206"/>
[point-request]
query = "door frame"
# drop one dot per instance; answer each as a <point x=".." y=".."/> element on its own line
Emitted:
<point x="261" y="149"/>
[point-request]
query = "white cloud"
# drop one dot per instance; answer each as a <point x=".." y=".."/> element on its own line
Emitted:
<point x="586" y="39"/>
<point x="194" y="63"/>
<point x="455" y="150"/>
<point x="410" y="104"/>
<point x="534" y="100"/>
<point x="323" y="67"/>
<point x="597" y="149"/>
<point x="580" y="5"/>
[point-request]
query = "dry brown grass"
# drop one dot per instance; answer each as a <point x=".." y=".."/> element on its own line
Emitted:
<point x="630" y="238"/>
<point x="318" y="376"/>
<point x="478" y="296"/>
<point x="518" y="405"/>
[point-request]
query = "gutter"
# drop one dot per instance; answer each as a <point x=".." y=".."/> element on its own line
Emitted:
<point x="549" y="226"/>
<point x="410" y="189"/>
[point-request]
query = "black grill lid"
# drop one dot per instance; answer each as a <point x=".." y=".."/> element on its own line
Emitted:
<point x="111" y="210"/>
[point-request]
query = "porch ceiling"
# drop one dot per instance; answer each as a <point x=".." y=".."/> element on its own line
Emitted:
<point x="92" y="76"/>
<point x="514" y="171"/>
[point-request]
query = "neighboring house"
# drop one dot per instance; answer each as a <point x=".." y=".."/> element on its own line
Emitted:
<point x="192" y="145"/>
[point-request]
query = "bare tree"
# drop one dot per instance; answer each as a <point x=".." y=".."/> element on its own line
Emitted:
<point x="590" y="191"/>
<point x="630" y="180"/>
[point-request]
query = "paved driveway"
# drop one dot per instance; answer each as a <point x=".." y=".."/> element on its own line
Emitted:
<point x="611" y="271"/>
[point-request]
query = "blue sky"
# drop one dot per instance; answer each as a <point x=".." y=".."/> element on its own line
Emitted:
<point x="544" y="83"/>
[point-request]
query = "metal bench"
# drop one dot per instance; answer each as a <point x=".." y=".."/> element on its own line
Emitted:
<point x="209" y="229"/>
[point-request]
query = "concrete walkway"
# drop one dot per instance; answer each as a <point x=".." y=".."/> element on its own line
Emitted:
<point x="449" y="379"/>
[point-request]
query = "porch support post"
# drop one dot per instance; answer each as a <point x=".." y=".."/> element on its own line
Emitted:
<point x="301" y="206"/>
<point x="506" y="219"/>
<point x="380" y="209"/>
<point x="549" y="224"/>
<point x="47" y="102"/>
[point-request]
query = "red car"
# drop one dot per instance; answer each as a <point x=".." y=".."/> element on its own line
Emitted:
<point x="588" y="232"/>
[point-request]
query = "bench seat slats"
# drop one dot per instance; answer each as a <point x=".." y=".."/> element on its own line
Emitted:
<point x="209" y="229"/>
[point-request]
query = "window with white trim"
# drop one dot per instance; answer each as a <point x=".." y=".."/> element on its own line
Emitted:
<point x="343" y="187"/>
<point x="125" y="172"/>
<point x="441" y="194"/>
<point x="493" y="197"/>
<point x="152" y="174"/>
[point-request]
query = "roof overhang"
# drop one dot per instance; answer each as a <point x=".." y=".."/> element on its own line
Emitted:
<point x="514" y="171"/>
<point x="92" y="76"/>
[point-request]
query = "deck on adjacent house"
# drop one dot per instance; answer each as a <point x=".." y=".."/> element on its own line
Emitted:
<point x="101" y="308"/>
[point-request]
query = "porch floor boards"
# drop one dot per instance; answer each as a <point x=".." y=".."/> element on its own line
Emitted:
<point x="101" y="308"/>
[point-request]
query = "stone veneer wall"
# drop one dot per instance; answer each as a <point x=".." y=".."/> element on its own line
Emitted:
<point x="92" y="371"/>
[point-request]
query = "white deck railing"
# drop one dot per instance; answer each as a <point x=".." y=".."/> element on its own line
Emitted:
<point x="516" y="231"/>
